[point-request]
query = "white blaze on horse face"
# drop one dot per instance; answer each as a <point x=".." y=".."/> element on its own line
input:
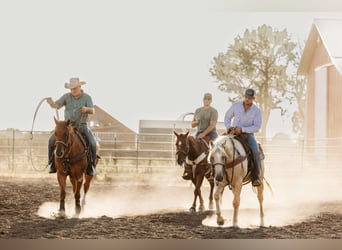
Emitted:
<point x="217" y="158"/>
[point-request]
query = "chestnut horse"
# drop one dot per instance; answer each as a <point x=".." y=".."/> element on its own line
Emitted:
<point x="193" y="153"/>
<point x="71" y="159"/>
<point x="230" y="168"/>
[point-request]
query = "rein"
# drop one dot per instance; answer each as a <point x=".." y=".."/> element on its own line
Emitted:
<point x="236" y="161"/>
<point x="66" y="159"/>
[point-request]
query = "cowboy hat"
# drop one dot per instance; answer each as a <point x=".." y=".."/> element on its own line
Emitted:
<point x="74" y="82"/>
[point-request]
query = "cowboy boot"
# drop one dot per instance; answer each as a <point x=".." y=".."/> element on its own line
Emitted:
<point x="91" y="169"/>
<point x="52" y="167"/>
<point x="256" y="182"/>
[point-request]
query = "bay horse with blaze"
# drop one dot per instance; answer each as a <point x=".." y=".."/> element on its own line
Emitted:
<point x="71" y="159"/>
<point x="193" y="153"/>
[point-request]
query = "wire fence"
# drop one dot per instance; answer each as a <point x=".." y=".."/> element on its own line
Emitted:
<point x="22" y="151"/>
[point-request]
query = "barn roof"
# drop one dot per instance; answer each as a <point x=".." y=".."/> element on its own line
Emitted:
<point x="329" y="32"/>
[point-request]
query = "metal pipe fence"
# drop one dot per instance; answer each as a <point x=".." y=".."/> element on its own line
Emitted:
<point x="149" y="152"/>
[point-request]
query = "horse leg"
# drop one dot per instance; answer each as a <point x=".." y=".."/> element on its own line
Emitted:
<point x="86" y="186"/>
<point x="77" y="194"/>
<point x="260" y="190"/>
<point x="218" y="198"/>
<point x="236" y="202"/>
<point x="62" y="185"/>
<point x="193" y="206"/>
<point x="76" y="186"/>
<point x="211" y="203"/>
<point x="199" y="181"/>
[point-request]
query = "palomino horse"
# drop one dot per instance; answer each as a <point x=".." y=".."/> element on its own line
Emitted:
<point x="230" y="168"/>
<point x="71" y="159"/>
<point x="193" y="154"/>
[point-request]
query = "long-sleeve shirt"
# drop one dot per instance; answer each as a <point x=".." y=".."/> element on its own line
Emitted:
<point x="249" y="121"/>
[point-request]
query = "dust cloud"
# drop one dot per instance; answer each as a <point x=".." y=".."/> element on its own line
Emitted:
<point x="298" y="195"/>
<point x="132" y="197"/>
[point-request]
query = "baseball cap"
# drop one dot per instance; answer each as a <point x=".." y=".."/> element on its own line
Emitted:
<point x="250" y="93"/>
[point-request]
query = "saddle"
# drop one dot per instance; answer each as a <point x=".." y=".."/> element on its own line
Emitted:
<point x="86" y="145"/>
<point x="242" y="138"/>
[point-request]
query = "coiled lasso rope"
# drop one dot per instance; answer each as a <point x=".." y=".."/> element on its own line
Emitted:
<point x="31" y="133"/>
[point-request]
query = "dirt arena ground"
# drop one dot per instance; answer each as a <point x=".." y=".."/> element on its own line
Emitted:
<point x="156" y="210"/>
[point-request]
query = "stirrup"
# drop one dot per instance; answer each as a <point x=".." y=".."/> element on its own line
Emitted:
<point x="52" y="169"/>
<point x="90" y="171"/>
<point x="256" y="182"/>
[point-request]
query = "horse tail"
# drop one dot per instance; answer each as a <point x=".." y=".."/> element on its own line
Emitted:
<point x="269" y="186"/>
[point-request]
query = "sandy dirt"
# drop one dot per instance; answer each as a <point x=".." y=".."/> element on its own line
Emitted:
<point x="146" y="210"/>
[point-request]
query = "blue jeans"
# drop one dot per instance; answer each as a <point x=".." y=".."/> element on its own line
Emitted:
<point x="256" y="154"/>
<point x="213" y="135"/>
<point x="84" y="131"/>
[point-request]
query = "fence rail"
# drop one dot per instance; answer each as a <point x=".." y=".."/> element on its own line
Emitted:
<point x="21" y="150"/>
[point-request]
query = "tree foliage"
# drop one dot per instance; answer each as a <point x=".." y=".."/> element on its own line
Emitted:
<point x="263" y="59"/>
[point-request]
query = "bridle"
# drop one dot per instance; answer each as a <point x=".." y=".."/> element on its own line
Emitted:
<point x="236" y="160"/>
<point x="65" y="157"/>
<point x="66" y="145"/>
<point x="183" y="150"/>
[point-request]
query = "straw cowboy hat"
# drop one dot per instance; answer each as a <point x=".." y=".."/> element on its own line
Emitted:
<point x="74" y="82"/>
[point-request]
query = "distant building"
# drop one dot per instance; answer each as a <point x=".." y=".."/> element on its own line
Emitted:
<point x="101" y="121"/>
<point x="167" y="126"/>
<point x="321" y="63"/>
<point x="113" y="136"/>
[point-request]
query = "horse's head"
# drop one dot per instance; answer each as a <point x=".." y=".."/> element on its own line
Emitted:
<point x="182" y="147"/>
<point x="63" y="130"/>
<point x="220" y="154"/>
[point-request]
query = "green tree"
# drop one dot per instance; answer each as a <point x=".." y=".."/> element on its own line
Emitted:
<point x="263" y="59"/>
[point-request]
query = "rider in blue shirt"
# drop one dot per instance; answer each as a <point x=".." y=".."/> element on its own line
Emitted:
<point x="245" y="117"/>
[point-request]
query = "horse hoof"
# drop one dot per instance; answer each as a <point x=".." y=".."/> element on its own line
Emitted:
<point x="201" y="208"/>
<point x="220" y="221"/>
<point x="192" y="209"/>
<point x="58" y="214"/>
<point x="76" y="215"/>
<point x="211" y="206"/>
<point x="262" y="223"/>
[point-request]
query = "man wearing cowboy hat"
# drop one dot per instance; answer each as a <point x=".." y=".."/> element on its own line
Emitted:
<point x="78" y="105"/>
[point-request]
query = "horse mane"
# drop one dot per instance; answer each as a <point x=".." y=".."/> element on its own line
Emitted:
<point x="71" y="129"/>
<point x="72" y="133"/>
<point x="228" y="144"/>
<point x="191" y="140"/>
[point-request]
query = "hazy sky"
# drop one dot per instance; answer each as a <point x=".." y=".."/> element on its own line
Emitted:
<point x="141" y="59"/>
